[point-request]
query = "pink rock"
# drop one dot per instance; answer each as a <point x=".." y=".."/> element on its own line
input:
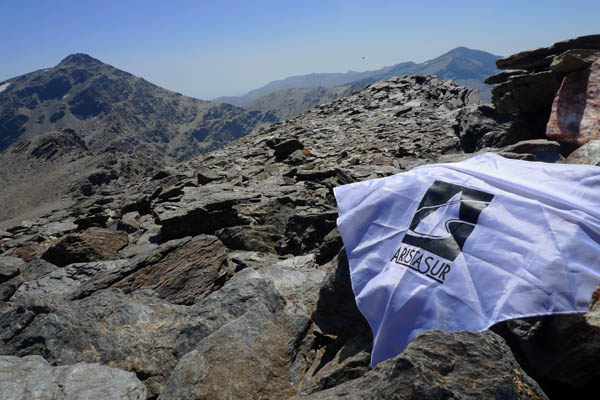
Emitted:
<point x="575" y="114"/>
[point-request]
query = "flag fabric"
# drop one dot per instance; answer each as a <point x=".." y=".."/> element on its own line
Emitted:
<point x="461" y="246"/>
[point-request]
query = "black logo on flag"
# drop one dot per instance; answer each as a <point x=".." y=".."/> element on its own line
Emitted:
<point x="445" y="218"/>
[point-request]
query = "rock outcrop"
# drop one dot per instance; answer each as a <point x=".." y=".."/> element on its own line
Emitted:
<point x="552" y="90"/>
<point x="575" y="116"/>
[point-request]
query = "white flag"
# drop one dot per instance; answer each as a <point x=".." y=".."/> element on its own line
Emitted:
<point x="464" y="245"/>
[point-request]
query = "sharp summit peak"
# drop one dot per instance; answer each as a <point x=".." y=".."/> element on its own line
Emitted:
<point x="79" y="58"/>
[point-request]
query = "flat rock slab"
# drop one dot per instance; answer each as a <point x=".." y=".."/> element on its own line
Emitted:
<point x="575" y="114"/>
<point x="93" y="244"/>
<point x="32" y="378"/>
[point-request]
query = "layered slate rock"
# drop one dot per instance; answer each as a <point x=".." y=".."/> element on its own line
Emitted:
<point x="93" y="244"/>
<point x="187" y="274"/>
<point x="575" y="114"/>
<point x="440" y="365"/>
<point x="32" y="378"/>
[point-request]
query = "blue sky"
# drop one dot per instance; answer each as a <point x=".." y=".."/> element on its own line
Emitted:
<point x="212" y="48"/>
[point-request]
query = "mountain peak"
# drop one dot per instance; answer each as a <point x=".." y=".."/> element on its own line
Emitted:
<point x="466" y="52"/>
<point x="79" y="59"/>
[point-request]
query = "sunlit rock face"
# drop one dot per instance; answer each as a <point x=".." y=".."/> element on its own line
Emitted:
<point x="575" y="114"/>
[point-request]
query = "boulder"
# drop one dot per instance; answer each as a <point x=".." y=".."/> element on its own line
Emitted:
<point x="575" y="117"/>
<point x="187" y="274"/>
<point x="287" y="147"/>
<point x="8" y="288"/>
<point x="245" y="359"/>
<point x="441" y="365"/>
<point x="32" y="378"/>
<point x="93" y="244"/>
<point x="58" y="228"/>
<point x="261" y="238"/>
<point x="525" y="94"/>
<point x="543" y="150"/>
<point x="10" y="267"/>
<point x="574" y="60"/>
<point x="563" y="348"/>
<point x="59" y="285"/>
<point x="588" y="154"/>
<point x="336" y="312"/>
<point x="202" y="210"/>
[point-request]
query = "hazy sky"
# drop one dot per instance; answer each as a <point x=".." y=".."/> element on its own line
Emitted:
<point x="212" y="48"/>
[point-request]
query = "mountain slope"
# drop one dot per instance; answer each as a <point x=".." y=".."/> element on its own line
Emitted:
<point x="288" y="103"/>
<point x="464" y="66"/>
<point x="53" y="168"/>
<point x="110" y="108"/>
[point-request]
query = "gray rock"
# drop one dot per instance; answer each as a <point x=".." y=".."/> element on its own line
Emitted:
<point x="32" y="378"/>
<point x="525" y="94"/>
<point x="542" y="149"/>
<point x="574" y="60"/>
<point x="588" y="154"/>
<point x="58" y="228"/>
<point x="10" y="267"/>
<point x="202" y="210"/>
<point x="246" y="359"/>
<point x="295" y="279"/>
<point x="336" y="312"/>
<point x="482" y="126"/>
<point x="8" y="288"/>
<point x="36" y="269"/>
<point x="564" y="348"/>
<point x="61" y="284"/>
<point x="440" y="365"/>
<point x="287" y="147"/>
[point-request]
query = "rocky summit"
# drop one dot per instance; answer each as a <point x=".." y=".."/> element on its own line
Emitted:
<point x="225" y="277"/>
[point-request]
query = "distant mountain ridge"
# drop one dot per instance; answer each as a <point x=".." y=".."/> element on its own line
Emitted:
<point x="464" y="66"/>
<point x="113" y="109"/>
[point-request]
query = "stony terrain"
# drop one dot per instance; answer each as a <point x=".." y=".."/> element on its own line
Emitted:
<point x="110" y="108"/>
<point x="50" y="170"/>
<point x="225" y="277"/>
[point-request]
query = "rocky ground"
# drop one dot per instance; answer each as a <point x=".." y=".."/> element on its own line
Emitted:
<point x="225" y="277"/>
